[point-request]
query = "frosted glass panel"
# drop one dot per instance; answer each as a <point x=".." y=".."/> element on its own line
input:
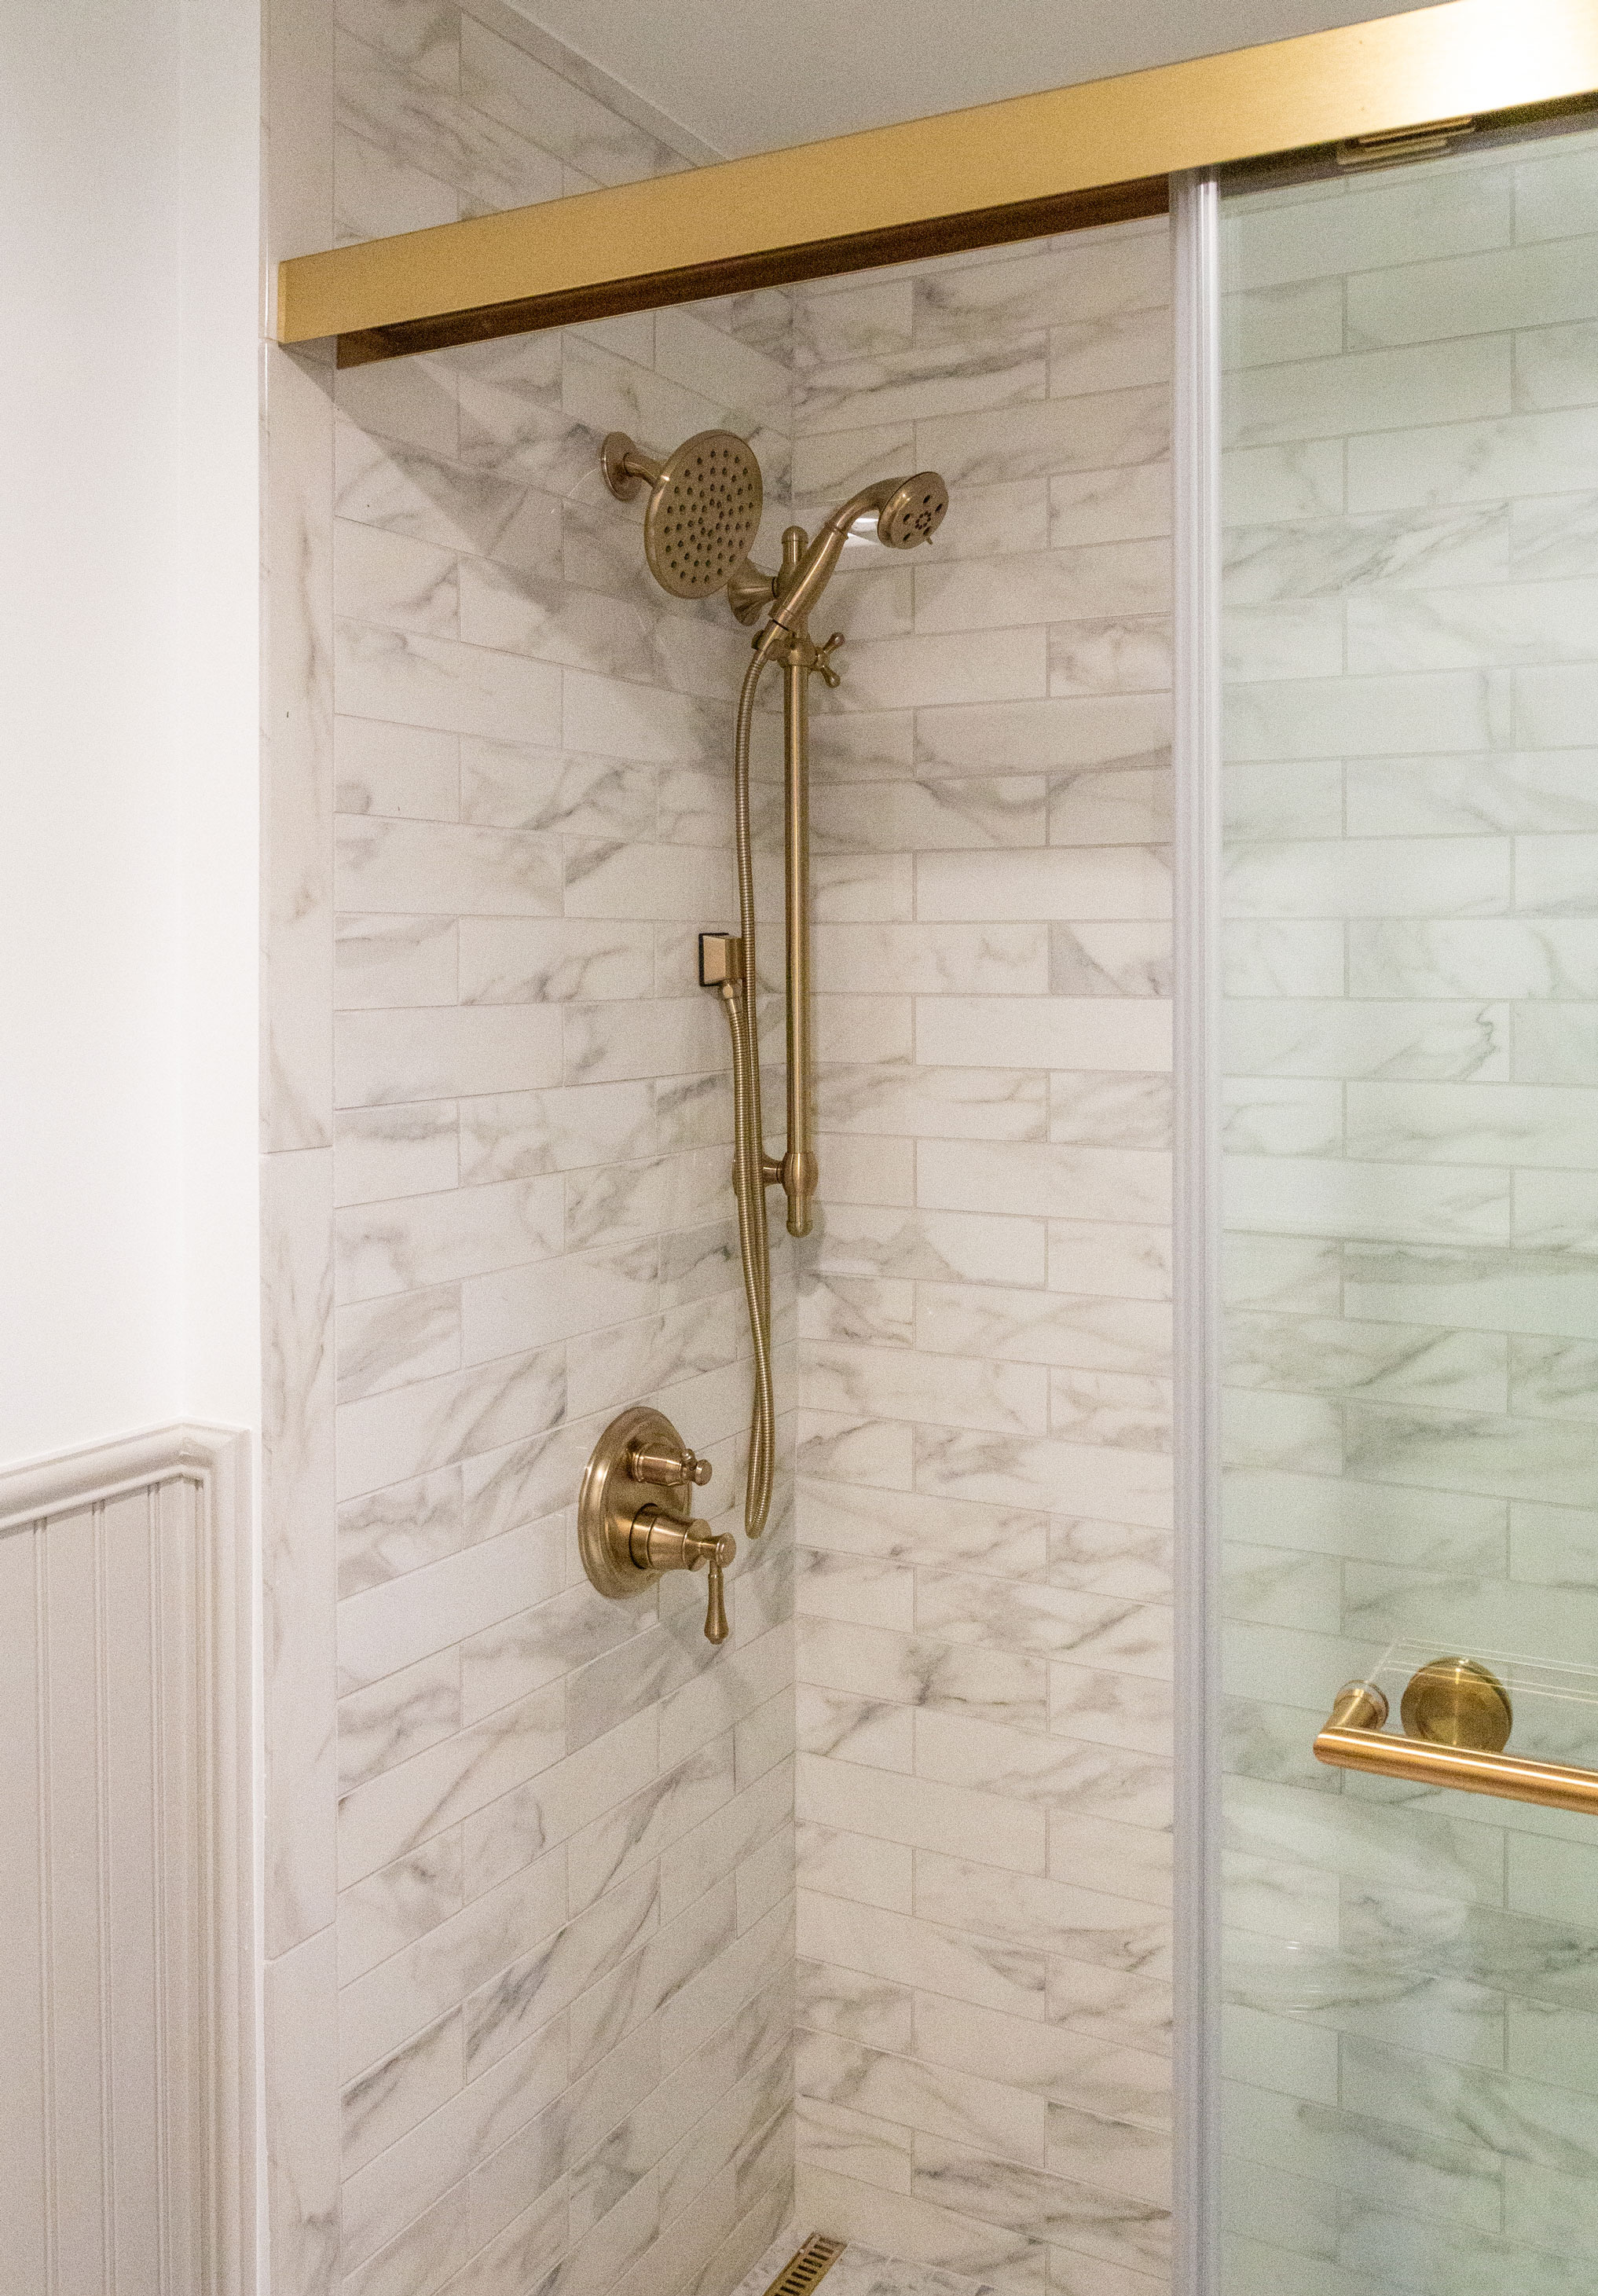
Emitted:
<point x="1411" y="1213"/>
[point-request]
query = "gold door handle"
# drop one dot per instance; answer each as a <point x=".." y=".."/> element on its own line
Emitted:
<point x="1456" y="1717"/>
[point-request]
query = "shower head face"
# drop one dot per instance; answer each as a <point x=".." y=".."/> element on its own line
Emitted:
<point x="704" y="513"/>
<point x="913" y="512"/>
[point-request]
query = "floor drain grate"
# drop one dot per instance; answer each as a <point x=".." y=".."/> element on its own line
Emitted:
<point x="806" y="2266"/>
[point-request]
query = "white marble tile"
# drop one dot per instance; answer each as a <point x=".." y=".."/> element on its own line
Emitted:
<point x="425" y="2163"/>
<point x="890" y="386"/>
<point x="1088" y="276"/>
<point x="297" y="951"/>
<point x="438" y="682"/>
<point x="298" y="1565"/>
<point x="922" y="1812"/>
<point x="302" y="2130"/>
<point x="1109" y="959"/>
<point x="1124" y="884"/>
<point x="394" y="960"/>
<point x="854" y="320"/>
<point x="434" y="1053"/>
<point x="444" y="868"/>
<point x="1526" y="286"/>
<point x="393" y="578"/>
<point x="872" y="1943"/>
<point x="390" y="1908"/>
<point x="1465" y="461"/>
<point x="1056" y="1032"/>
<point x="413" y="1429"/>
<point x="392" y="2096"/>
<point x="1387" y="220"/>
<point x="519" y="1308"/>
<point x="434" y="1239"/>
<point x="402" y="770"/>
<point x="502" y="79"/>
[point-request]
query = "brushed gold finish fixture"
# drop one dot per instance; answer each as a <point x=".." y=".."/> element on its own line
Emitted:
<point x="703" y="514"/>
<point x="806" y="2266"/>
<point x="1455" y="1702"/>
<point x="704" y="507"/>
<point x="628" y="1534"/>
<point x="1399" y="145"/>
<point x="1446" y="1700"/>
<point x="1095" y="153"/>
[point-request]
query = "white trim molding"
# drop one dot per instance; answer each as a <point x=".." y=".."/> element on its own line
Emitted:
<point x="126" y="1896"/>
<point x="1197" y="737"/>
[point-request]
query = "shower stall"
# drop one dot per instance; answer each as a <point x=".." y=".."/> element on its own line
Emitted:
<point x="1125" y="1822"/>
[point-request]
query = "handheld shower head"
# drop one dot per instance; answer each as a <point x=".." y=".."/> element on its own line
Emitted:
<point x="704" y="507"/>
<point x="913" y="512"/>
<point x="908" y="511"/>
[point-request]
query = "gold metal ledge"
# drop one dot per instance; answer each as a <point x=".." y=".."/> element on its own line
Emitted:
<point x="999" y="171"/>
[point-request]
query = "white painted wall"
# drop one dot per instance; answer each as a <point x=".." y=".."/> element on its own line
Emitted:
<point x="129" y="714"/>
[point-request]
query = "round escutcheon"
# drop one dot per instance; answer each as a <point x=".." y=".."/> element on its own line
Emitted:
<point x="1455" y="1701"/>
<point x="612" y="1496"/>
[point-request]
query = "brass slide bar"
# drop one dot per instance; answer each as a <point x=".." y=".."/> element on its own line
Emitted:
<point x="973" y="178"/>
<point x="1349" y="1743"/>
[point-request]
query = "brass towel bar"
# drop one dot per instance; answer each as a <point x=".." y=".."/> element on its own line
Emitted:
<point x="1459" y="1704"/>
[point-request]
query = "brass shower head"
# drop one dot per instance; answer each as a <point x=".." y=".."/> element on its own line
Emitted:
<point x="704" y="507"/>
<point x="913" y="512"/>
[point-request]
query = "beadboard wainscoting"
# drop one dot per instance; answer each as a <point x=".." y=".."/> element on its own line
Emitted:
<point x="126" y="2085"/>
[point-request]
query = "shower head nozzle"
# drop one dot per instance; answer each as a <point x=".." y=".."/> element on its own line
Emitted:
<point x="913" y="512"/>
<point x="704" y="507"/>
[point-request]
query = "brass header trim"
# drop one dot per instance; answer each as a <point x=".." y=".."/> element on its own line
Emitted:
<point x="965" y="178"/>
<point x="737" y="275"/>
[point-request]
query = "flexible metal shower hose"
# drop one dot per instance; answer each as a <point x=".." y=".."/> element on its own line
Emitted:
<point x="748" y="1178"/>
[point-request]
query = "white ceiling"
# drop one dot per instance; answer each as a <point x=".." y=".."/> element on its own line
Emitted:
<point x="754" y="76"/>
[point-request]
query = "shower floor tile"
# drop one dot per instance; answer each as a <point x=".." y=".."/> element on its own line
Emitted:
<point x="860" y="2272"/>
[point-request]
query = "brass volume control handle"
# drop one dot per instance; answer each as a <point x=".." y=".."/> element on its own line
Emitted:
<point x="661" y="1542"/>
<point x="667" y="1463"/>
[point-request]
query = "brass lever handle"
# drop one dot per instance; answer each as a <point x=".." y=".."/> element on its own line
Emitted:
<point x="658" y="1541"/>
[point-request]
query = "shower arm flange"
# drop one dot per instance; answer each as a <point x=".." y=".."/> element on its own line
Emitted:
<point x="751" y="592"/>
<point x="625" y="467"/>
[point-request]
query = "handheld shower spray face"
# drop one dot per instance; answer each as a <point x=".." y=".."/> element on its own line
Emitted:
<point x="908" y="511"/>
<point x="913" y="512"/>
<point x="704" y="507"/>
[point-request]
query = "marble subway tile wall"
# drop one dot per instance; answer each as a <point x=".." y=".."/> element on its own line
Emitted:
<point x="1411" y="1193"/>
<point x="543" y="1845"/>
<point x="984" y="1775"/>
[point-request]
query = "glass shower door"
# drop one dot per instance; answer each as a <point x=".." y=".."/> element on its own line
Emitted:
<point x="1410" y="957"/>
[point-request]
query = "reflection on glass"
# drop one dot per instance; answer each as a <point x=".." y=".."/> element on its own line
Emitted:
<point x="1411" y="1211"/>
